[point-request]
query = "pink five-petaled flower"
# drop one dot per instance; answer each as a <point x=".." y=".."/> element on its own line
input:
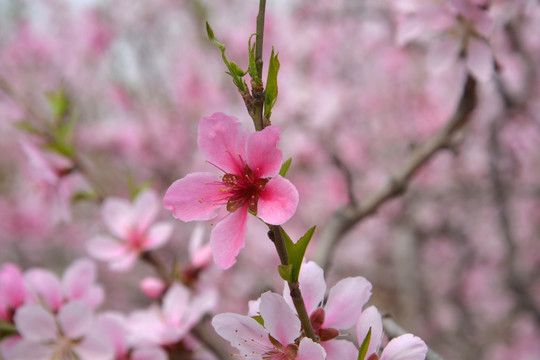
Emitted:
<point x="251" y="163"/>
<point x="277" y="340"/>
<point x="133" y="228"/>
<point x="404" y="347"/>
<point x="340" y="312"/>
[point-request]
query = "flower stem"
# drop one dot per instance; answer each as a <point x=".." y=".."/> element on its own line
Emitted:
<point x="294" y="287"/>
<point x="151" y="259"/>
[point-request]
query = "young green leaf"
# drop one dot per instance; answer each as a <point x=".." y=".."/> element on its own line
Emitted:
<point x="285" y="272"/>
<point x="285" y="167"/>
<point x="252" y="69"/>
<point x="59" y="103"/>
<point x="234" y="70"/>
<point x="364" y="347"/>
<point x="298" y="251"/>
<point x="27" y="127"/>
<point x="271" y="91"/>
<point x="258" y="319"/>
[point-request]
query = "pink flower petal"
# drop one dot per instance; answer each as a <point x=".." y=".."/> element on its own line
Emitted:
<point x="279" y="319"/>
<point x="105" y="248"/>
<point x="194" y="197"/>
<point x="43" y="285"/>
<point x="113" y="327"/>
<point x="309" y="350"/>
<point x="312" y="286"/>
<point x="95" y="346"/>
<point x="158" y="235"/>
<point x="145" y="209"/>
<point x="28" y="350"/>
<point x="480" y="59"/>
<point x="405" y="347"/>
<point x="200" y="304"/>
<point x="278" y="201"/>
<point x="443" y="53"/>
<point x="34" y="323"/>
<point x="75" y="319"/>
<point x="125" y="262"/>
<point x="152" y="287"/>
<point x="345" y="302"/>
<point x="370" y="318"/>
<point x="11" y="285"/>
<point x="263" y="155"/>
<point x="118" y="216"/>
<point x="244" y="333"/>
<point x="223" y="141"/>
<point x="175" y="303"/>
<point x="340" y="350"/>
<point x="78" y="279"/>
<point x="227" y="238"/>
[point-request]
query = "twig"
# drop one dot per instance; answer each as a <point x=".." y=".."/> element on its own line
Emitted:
<point x="393" y="330"/>
<point x="294" y="287"/>
<point x="349" y="215"/>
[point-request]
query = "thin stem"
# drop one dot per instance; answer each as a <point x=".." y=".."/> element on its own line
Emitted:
<point x="259" y="39"/>
<point x="294" y="287"/>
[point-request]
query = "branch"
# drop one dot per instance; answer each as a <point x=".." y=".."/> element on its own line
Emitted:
<point x="349" y="215"/>
<point x="393" y="330"/>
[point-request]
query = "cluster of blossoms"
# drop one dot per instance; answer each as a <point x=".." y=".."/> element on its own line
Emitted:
<point x="273" y="330"/>
<point x="56" y="318"/>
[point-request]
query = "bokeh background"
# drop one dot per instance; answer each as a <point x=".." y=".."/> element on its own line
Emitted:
<point x="454" y="260"/>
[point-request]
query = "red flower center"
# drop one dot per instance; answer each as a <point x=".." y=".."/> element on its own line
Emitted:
<point x="242" y="189"/>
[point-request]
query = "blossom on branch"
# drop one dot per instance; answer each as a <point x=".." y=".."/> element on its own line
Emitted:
<point x="406" y="346"/>
<point x="278" y="339"/>
<point x="250" y="163"/>
<point x="133" y="230"/>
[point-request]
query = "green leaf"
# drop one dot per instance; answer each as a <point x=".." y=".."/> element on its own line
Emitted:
<point x="297" y="251"/>
<point x="61" y="148"/>
<point x="233" y="69"/>
<point x="7" y="329"/>
<point x="258" y="319"/>
<point x="285" y="271"/>
<point x="213" y="39"/>
<point x="364" y="347"/>
<point x="84" y="195"/>
<point x="271" y="91"/>
<point x="59" y="103"/>
<point x="285" y="167"/>
<point x="252" y="68"/>
<point x="27" y="127"/>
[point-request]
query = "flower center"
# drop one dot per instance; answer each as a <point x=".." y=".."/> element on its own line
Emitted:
<point x="243" y="189"/>
<point x="280" y="352"/>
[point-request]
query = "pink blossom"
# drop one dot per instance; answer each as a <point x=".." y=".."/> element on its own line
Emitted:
<point x="12" y="292"/>
<point x="404" y="347"/>
<point x="70" y="333"/>
<point x="133" y="231"/>
<point x="168" y="324"/>
<point x="277" y="340"/>
<point x="341" y="310"/>
<point x="77" y="283"/>
<point x="250" y="162"/>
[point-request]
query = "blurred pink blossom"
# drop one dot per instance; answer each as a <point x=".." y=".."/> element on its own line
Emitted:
<point x="133" y="229"/>
<point x="251" y="162"/>
<point x="168" y="324"/>
<point x="69" y="333"/>
<point x="12" y="292"/>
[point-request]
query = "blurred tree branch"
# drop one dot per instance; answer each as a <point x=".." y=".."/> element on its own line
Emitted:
<point x="345" y="218"/>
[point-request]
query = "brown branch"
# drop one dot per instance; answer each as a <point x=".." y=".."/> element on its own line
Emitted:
<point x="345" y="218"/>
<point x="393" y="330"/>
